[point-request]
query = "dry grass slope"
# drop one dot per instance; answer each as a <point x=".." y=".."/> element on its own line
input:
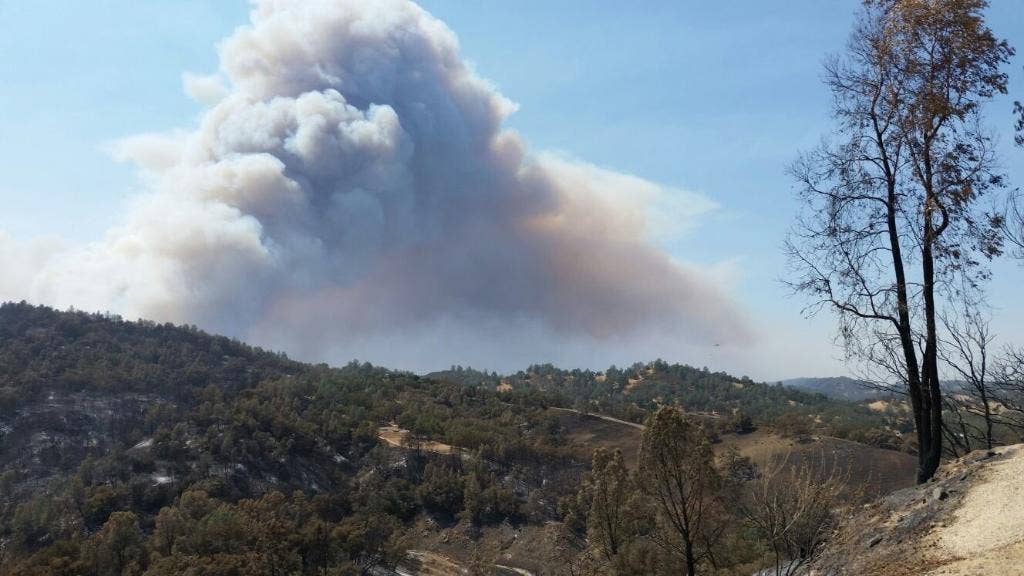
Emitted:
<point x="873" y="471"/>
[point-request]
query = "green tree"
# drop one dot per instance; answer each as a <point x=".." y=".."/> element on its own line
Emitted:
<point x="677" y="471"/>
<point x="371" y="541"/>
<point x="441" y="490"/>
<point x="610" y="488"/>
<point x="741" y="422"/>
<point x="42" y="520"/>
<point x="117" y="549"/>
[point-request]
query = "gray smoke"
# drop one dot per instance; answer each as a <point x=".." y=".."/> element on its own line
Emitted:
<point x="351" y="191"/>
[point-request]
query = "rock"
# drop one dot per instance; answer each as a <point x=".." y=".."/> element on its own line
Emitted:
<point x="939" y="493"/>
<point x="874" y="540"/>
<point x="977" y="457"/>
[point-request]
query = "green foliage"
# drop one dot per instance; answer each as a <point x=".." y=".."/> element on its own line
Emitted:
<point x="42" y="350"/>
<point x="41" y="521"/>
<point x="182" y="444"/>
<point x="141" y="448"/>
<point x="677" y="471"/>
<point x="117" y="549"/>
<point x="635" y="392"/>
<point x="609" y="520"/>
<point x="792" y="425"/>
<point x="442" y="489"/>
<point x="485" y="499"/>
<point x="741" y="422"/>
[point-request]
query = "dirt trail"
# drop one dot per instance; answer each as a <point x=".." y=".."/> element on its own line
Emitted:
<point x="987" y="530"/>
<point x="969" y="520"/>
<point x="433" y="564"/>
<point x="602" y="417"/>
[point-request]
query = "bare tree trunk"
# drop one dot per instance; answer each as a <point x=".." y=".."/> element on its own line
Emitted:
<point x="931" y="453"/>
<point x="983" y="395"/>
<point x="691" y="561"/>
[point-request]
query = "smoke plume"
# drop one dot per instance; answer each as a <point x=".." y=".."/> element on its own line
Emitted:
<point x="350" y="191"/>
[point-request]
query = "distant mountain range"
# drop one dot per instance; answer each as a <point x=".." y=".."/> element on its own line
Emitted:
<point x="846" y="388"/>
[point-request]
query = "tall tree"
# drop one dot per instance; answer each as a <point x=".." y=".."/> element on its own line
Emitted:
<point x="893" y="223"/>
<point x="677" y="471"/>
<point x="610" y="488"/>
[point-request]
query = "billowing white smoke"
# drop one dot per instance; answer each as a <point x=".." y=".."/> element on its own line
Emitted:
<point x="351" y="191"/>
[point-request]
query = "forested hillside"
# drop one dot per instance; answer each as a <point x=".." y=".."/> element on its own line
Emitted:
<point x="133" y="447"/>
<point x="842" y="387"/>
<point x="633" y="392"/>
<point x="170" y="449"/>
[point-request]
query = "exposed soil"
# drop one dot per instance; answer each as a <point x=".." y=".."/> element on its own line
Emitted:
<point x="399" y="438"/>
<point x="969" y="520"/>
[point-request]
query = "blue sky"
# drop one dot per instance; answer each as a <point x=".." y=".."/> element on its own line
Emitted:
<point x="713" y="97"/>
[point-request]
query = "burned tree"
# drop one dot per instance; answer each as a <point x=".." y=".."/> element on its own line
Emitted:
<point x="792" y="507"/>
<point x="967" y="339"/>
<point x="893" y="220"/>
<point x="1007" y="389"/>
